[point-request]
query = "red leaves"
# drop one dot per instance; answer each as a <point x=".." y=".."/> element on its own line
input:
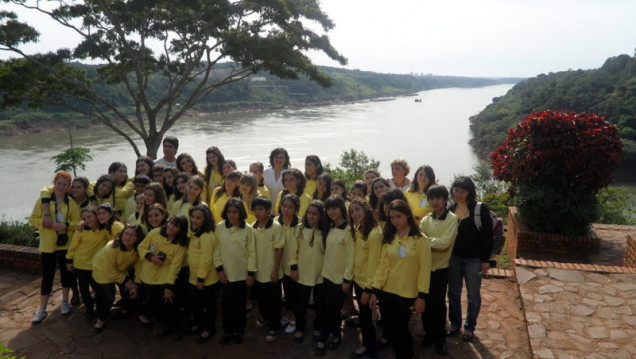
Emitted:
<point x="560" y="149"/>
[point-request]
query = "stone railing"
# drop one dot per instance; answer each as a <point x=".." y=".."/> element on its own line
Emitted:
<point x="20" y="258"/>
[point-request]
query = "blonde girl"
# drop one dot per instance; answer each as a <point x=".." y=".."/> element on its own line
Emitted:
<point x="423" y="179"/>
<point x="248" y="189"/>
<point x="229" y="189"/>
<point x="256" y="169"/>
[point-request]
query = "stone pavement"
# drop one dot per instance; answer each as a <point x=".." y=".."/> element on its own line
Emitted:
<point x="575" y="314"/>
<point x="501" y="332"/>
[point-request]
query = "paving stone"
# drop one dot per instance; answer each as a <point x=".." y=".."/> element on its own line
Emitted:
<point x="540" y="272"/>
<point x="630" y="348"/>
<point x="593" y="302"/>
<point x="599" y="278"/>
<point x="623" y="354"/>
<point x="613" y="301"/>
<point x="524" y="275"/>
<point x="625" y="287"/>
<point x="550" y="289"/>
<point x="564" y="355"/>
<point x="594" y="296"/>
<point x="597" y="332"/>
<point x="571" y="289"/>
<point x="610" y="291"/>
<point x="544" y="353"/>
<point x="536" y="331"/>
<point x="608" y="345"/>
<point x="606" y="313"/>
<point x="494" y="325"/>
<point x="630" y="320"/>
<point x="623" y="310"/>
<point x="618" y="335"/>
<point x="595" y="356"/>
<point x="579" y="338"/>
<point x="582" y="310"/>
<point x="567" y="275"/>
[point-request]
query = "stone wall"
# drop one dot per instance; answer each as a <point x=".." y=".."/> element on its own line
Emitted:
<point x="20" y="258"/>
<point x="630" y="252"/>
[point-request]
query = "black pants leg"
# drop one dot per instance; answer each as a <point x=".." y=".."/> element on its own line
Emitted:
<point x="333" y="299"/>
<point x="166" y="312"/>
<point x="366" y="323"/>
<point x="268" y="297"/>
<point x="68" y="278"/>
<point x="289" y="287"/>
<point x="85" y="282"/>
<point x="104" y="298"/>
<point x="202" y="304"/>
<point x="434" y="316"/>
<point x="396" y="323"/>
<point x="303" y="293"/>
<point x="233" y="306"/>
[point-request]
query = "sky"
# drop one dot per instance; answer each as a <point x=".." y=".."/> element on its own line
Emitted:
<point x="487" y="38"/>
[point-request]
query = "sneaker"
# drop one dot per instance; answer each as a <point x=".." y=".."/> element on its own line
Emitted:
<point x="284" y="321"/>
<point x="291" y="327"/>
<point x="260" y="322"/>
<point x="39" y="316"/>
<point x="75" y="300"/>
<point x="271" y="336"/>
<point x="65" y="308"/>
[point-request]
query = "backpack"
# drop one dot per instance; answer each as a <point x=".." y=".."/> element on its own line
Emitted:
<point x="498" y="238"/>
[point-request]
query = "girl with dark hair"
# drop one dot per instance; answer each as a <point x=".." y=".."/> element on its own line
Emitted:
<point x="313" y="169"/>
<point x="416" y="194"/>
<point x="108" y="220"/>
<point x="192" y="198"/>
<point x="156" y="173"/>
<point x="154" y="193"/>
<point x="337" y="272"/>
<point x="338" y="188"/>
<point x="279" y="161"/>
<point x="214" y="161"/>
<point x="401" y="280"/>
<point x="294" y="182"/>
<point x="203" y="279"/>
<point x="124" y="187"/>
<point x="55" y="227"/>
<point x="185" y="163"/>
<point x="248" y="189"/>
<point x="79" y="191"/>
<point x="163" y="252"/>
<point x="323" y="187"/>
<point x="358" y="190"/>
<point x="288" y="219"/>
<point x="154" y="216"/>
<point x="367" y="237"/>
<point x="383" y="204"/>
<point x="235" y="262"/>
<point x="228" y="167"/>
<point x="169" y="184"/>
<point x="256" y="169"/>
<point x="83" y="247"/>
<point x="104" y="189"/>
<point x="143" y="166"/>
<point x="470" y="256"/>
<point x="308" y="251"/>
<point x="180" y="185"/>
<point x="229" y="189"/>
<point x="378" y="187"/>
<point x="113" y="265"/>
<point x="369" y="176"/>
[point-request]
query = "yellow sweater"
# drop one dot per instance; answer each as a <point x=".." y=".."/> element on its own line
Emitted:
<point x="290" y="234"/>
<point x="84" y="246"/>
<point x="308" y="251"/>
<point x="122" y="193"/>
<point x="154" y="244"/>
<point x="366" y="257"/>
<point x="418" y="204"/>
<point x="111" y="265"/>
<point x="441" y="233"/>
<point x="268" y="239"/>
<point x="200" y="251"/>
<point x="304" y="203"/>
<point x="407" y="276"/>
<point x="310" y="188"/>
<point x="338" y="259"/>
<point x="215" y="181"/>
<point x="217" y="205"/>
<point x="235" y="251"/>
<point x="68" y="212"/>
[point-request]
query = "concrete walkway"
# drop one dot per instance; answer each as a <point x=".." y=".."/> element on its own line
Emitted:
<point x="501" y="332"/>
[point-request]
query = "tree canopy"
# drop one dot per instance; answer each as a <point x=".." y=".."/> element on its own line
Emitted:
<point x="180" y="41"/>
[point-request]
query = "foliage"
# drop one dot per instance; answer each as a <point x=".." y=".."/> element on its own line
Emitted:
<point x="18" y="233"/>
<point x="4" y="353"/>
<point x="560" y="149"/>
<point x="353" y="164"/>
<point x="556" y="161"/>
<point x="72" y="158"/>
<point x="616" y="206"/>
<point x="194" y="36"/>
<point x="485" y="183"/>
<point x="609" y="91"/>
<point x="498" y="202"/>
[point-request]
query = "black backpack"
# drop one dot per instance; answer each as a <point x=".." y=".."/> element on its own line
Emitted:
<point x="498" y="238"/>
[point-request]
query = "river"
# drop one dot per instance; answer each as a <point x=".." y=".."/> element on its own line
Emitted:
<point x="434" y="131"/>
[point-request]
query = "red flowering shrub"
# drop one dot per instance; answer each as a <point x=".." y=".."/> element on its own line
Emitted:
<point x="556" y="161"/>
<point x="559" y="149"/>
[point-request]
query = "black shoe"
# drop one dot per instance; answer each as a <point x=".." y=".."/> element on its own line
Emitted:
<point x="334" y="344"/>
<point x="299" y="337"/>
<point x="452" y="331"/>
<point x="90" y="313"/>
<point x="225" y="339"/>
<point x="320" y="351"/>
<point x="427" y="341"/>
<point x="237" y="338"/>
<point x="177" y="336"/>
<point x="204" y="336"/>
<point x="75" y="300"/>
<point x="161" y="332"/>
<point x="441" y="348"/>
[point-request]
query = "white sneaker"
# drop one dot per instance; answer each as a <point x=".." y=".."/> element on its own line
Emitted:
<point x="260" y="322"/>
<point x="291" y="327"/>
<point x="271" y="336"/>
<point x="65" y="308"/>
<point x="39" y="316"/>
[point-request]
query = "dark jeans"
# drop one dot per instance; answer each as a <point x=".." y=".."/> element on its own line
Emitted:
<point x="434" y="317"/>
<point x="289" y="286"/>
<point x="460" y="270"/>
<point x="396" y="323"/>
<point x="202" y="304"/>
<point x="85" y="282"/>
<point x="366" y="323"/>
<point x="303" y="293"/>
<point x="268" y="297"/>
<point x="49" y="261"/>
<point x="166" y="312"/>
<point x="332" y="300"/>
<point x="104" y="298"/>
<point x="233" y="306"/>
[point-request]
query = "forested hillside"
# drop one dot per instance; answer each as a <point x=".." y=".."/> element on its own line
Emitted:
<point x="609" y="91"/>
<point x="259" y="91"/>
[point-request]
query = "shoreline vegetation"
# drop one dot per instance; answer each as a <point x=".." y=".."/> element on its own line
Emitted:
<point x="260" y="92"/>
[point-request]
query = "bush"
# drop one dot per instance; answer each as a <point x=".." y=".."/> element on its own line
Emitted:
<point x="16" y="232"/>
<point x="556" y="161"/>
<point x="615" y="206"/>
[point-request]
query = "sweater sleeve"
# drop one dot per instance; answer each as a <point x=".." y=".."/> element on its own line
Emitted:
<point x="349" y="247"/>
<point x="424" y="272"/>
<point x="375" y="247"/>
<point x="382" y="272"/>
<point x="207" y="249"/>
<point x="251" y="250"/>
<point x="485" y="234"/>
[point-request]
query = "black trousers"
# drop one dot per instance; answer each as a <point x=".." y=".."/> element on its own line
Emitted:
<point x="202" y="304"/>
<point x="49" y="262"/>
<point x="85" y="282"/>
<point x="269" y="298"/>
<point x="396" y="323"/>
<point x="104" y="298"/>
<point x="234" y="297"/>
<point x="365" y="317"/>
<point x="332" y="300"/>
<point x="289" y="286"/>
<point x="434" y="316"/>
<point x="303" y="293"/>
<point x="166" y="312"/>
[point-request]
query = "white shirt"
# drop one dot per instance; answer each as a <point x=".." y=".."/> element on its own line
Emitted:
<point x="272" y="184"/>
<point x="161" y="161"/>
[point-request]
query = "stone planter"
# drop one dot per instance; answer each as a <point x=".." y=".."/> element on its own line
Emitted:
<point x="520" y="242"/>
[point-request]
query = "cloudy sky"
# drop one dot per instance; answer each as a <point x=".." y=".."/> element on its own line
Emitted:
<point x="519" y="38"/>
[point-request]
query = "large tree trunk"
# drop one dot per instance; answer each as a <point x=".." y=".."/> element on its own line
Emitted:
<point x="153" y="141"/>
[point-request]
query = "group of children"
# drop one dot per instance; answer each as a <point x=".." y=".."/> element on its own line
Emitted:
<point x="267" y="235"/>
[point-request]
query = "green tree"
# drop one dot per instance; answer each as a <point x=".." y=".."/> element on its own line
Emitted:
<point x="353" y="164"/>
<point x="72" y="158"/>
<point x="193" y="37"/>
<point x="616" y="206"/>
